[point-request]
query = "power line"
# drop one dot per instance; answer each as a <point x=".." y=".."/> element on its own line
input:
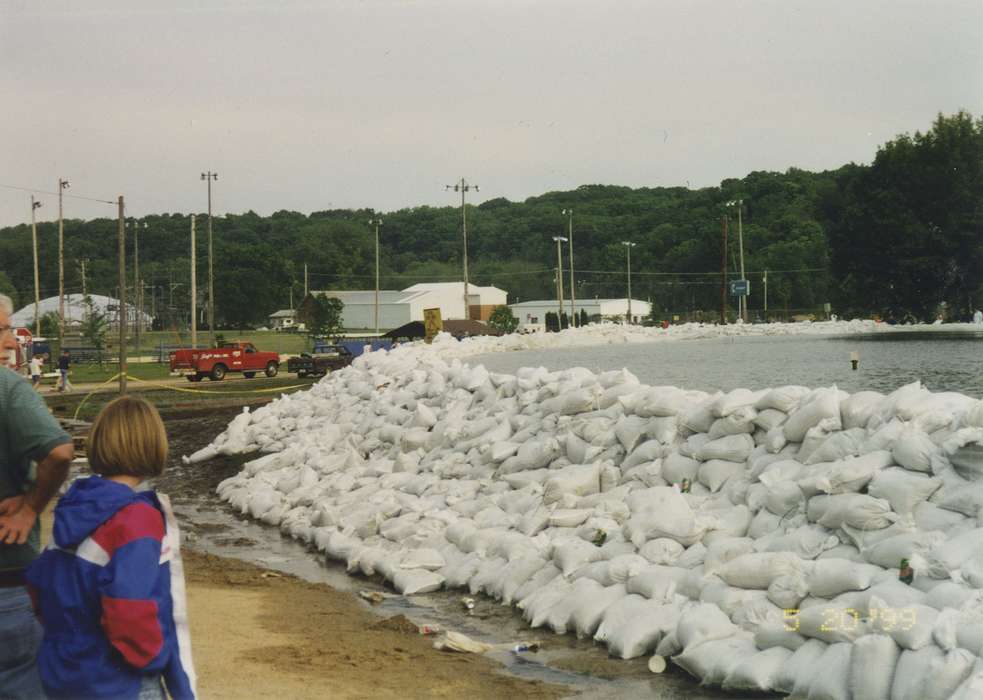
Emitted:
<point x="55" y="194"/>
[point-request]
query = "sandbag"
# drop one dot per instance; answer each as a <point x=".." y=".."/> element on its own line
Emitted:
<point x="872" y="665"/>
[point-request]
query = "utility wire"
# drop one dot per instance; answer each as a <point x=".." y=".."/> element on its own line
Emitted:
<point x="55" y="194"/>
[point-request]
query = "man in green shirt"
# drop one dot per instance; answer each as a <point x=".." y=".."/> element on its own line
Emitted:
<point x="29" y="437"/>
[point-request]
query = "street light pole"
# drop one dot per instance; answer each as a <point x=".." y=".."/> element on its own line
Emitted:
<point x="62" y="184"/>
<point x="463" y="187"/>
<point x="559" y="282"/>
<point x="573" y="314"/>
<point x="742" y="300"/>
<point x="37" y="282"/>
<point x="194" y="287"/>
<point x="209" y="176"/>
<point x="628" y="246"/>
<point x="377" y="223"/>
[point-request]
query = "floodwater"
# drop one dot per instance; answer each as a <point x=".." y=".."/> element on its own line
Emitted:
<point x="886" y="362"/>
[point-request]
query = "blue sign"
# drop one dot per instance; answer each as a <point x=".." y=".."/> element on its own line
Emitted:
<point x="740" y="288"/>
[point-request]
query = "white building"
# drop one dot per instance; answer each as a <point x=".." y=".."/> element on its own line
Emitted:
<point x="76" y="310"/>
<point x="285" y="319"/>
<point x="397" y="308"/>
<point x="532" y="314"/>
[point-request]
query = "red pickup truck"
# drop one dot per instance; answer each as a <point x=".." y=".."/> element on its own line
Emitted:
<point x="215" y="363"/>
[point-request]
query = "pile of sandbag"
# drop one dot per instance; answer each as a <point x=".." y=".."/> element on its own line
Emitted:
<point x="756" y="538"/>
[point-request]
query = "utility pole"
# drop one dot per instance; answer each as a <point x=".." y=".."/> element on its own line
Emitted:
<point x="766" y="294"/>
<point x="559" y="282"/>
<point x="464" y="187"/>
<point x="82" y="266"/>
<point x="573" y="313"/>
<point x="723" y="272"/>
<point x="194" y="287"/>
<point x="37" y="282"/>
<point x="211" y="271"/>
<point x="628" y="246"/>
<point x="137" y="286"/>
<point x="122" y="298"/>
<point x="305" y="280"/>
<point x="62" y="184"/>
<point x="377" y="223"/>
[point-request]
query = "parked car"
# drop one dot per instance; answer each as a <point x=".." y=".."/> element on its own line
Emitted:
<point x="325" y="359"/>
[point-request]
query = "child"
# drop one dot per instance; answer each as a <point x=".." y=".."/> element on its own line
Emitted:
<point x="37" y="366"/>
<point x="109" y="589"/>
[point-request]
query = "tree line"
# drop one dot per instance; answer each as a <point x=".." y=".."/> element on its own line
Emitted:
<point x="900" y="238"/>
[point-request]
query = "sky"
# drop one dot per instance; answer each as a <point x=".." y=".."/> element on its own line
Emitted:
<point x="310" y="105"/>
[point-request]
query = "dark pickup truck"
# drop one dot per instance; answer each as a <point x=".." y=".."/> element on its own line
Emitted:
<point x="323" y="360"/>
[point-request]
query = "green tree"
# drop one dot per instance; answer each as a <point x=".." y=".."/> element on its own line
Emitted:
<point x="95" y="328"/>
<point x="552" y="322"/>
<point x="323" y="316"/>
<point x="7" y="287"/>
<point x="503" y="320"/>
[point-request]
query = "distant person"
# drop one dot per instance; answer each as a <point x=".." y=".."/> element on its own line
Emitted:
<point x="64" y="362"/>
<point x="28" y="433"/>
<point x="978" y="317"/>
<point x="37" y="367"/>
<point x="110" y="589"/>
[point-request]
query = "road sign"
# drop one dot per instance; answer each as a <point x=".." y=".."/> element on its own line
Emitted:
<point x="740" y="288"/>
<point x="432" y="324"/>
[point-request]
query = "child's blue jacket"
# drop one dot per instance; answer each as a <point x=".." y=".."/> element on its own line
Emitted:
<point x="112" y="609"/>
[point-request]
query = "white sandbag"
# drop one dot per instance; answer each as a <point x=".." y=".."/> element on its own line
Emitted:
<point x="788" y="591"/>
<point x="712" y="661"/>
<point x="732" y="448"/>
<point x="416" y="581"/>
<point x="889" y="553"/>
<point x="692" y="557"/>
<point x="902" y="401"/>
<point x="800" y="668"/>
<point x="857" y="409"/>
<point x="910" y="627"/>
<point x="662" y="512"/>
<point x="914" y="450"/>
<point x="724" y="550"/>
<point x="630" y="430"/>
<point x="634" y="625"/>
<point x="757" y="672"/>
<point x="662" y="401"/>
<point x="783" y="398"/>
<point x="758" y="570"/>
<point x="662" y="550"/>
<point x="646" y="452"/>
<point x="850" y="474"/>
<point x="577" y="479"/>
<point x="785" y="498"/>
<point x="902" y="489"/>
<point x="856" y="510"/>
<point x="663" y="430"/>
<point x="658" y="583"/>
<point x="833" y="682"/>
<point x="947" y="674"/>
<point x="775" y="634"/>
<point x="676" y="467"/>
<point x="840" y="445"/>
<point x="912" y="673"/>
<point x="735" y="400"/>
<point x="823" y="410"/>
<point x="947" y="557"/>
<point x="929" y="517"/>
<point x="830" y="577"/>
<point x="668" y="645"/>
<point x="422" y="558"/>
<point x="589" y="611"/>
<point x="702" y="623"/>
<point x="830" y="623"/>
<point x="965" y="451"/>
<point x="739" y="421"/>
<point x="872" y="665"/>
<point x="714" y="473"/>
<point x="572" y="554"/>
<point x="699" y="418"/>
<point x="770" y="418"/>
<point x="806" y="542"/>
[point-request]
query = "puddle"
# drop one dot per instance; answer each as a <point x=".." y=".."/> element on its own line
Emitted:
<point x="212" y="527"/>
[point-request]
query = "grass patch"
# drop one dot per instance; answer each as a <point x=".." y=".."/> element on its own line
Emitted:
<point x="182" y="398"/>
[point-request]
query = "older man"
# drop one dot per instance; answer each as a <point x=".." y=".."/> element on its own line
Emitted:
<point x="34" y="457"/>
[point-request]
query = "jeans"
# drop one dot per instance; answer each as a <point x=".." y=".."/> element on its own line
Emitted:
<point x="151" y="689"/>
<point x="20" y="638"/>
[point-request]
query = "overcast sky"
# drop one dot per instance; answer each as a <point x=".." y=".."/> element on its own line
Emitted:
<point x="310" y="105"/>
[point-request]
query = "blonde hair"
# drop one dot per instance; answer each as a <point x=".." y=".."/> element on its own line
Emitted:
<point x="127" y="437"/>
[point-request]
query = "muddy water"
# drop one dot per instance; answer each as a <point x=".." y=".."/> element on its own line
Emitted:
<point x="211" y="526"/>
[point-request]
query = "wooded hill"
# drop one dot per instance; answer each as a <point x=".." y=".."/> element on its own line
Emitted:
<point x="896" y="238"/>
